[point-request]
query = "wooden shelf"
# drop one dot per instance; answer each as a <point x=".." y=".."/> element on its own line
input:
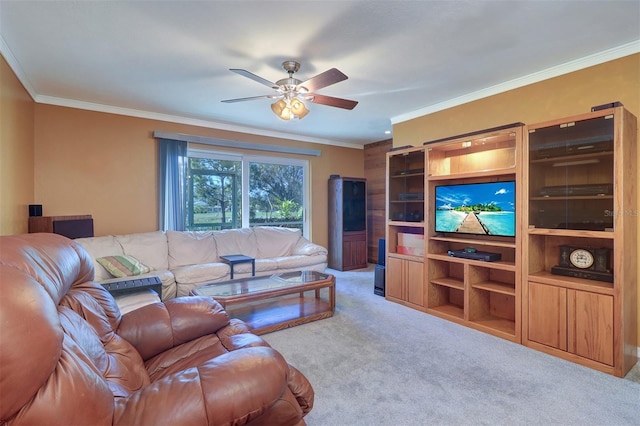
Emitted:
<point x="496" y="287"/>
<point x="491" y="324"/>
<point x="448" y="282"/>
<point x="546" y="277"/>
<point x="572" y="233"/>
<point x="407" y="224"/>
<point x="498" y="264"/>
<point x="572" y="197"/>
<point x="574" y="157"/>
<point x="474" y="174"/>
<point x="448" y="310"/>
<point x="406" y="256"/>
<point x="475" y="242"/>
<point x="401" y="176"/>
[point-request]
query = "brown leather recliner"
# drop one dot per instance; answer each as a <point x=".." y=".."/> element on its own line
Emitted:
<point x="68" y="357"/>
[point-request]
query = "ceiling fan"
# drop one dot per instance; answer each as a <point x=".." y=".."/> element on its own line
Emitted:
<point x="291" y="92"/>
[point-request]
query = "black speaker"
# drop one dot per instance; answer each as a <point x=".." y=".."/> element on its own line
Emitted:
<point x="378" y="284"/>
<point x="381" y="250"/>
<point x="35" y="209"/>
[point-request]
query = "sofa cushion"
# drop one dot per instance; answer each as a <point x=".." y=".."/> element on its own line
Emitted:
<point x="99" y="247"/>
<point x="296" y="262"/>
<point x="121" y="266"/>
<point x="191" y="248"/>
<point x="198" y="275"/>
<point x="264" y="265"/>
<point x="275" y="242"/>
<point x="236" y="241"/>
<point x="150" y="247"/>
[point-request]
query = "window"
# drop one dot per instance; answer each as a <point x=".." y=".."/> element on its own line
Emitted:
<point x="213" y="194"/>
<point x="227" y="191"/>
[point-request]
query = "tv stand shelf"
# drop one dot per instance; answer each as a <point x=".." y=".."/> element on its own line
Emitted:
<point x="498" y="264"/>
<point x="479" y="294"/>
<point x="475" y="242"/>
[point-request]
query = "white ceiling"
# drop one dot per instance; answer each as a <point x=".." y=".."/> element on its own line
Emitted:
<point x="170" y="59"/>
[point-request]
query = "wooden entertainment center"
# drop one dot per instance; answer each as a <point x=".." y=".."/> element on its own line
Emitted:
<point x="563" y="284"/>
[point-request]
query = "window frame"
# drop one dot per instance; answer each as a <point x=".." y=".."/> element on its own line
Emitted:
<point x="245" y="160"/>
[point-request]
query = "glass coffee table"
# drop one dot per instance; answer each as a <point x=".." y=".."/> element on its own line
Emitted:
<point x="275" y="302"/>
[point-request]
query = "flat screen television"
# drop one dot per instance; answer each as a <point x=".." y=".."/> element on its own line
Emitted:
<point x="478" y="208"/>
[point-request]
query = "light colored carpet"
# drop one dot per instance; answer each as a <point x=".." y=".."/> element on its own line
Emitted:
<point x="379" y="363"/>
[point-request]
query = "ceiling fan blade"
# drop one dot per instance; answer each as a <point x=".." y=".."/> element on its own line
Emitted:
<point x="254" y="77"/>
<point x="331" y="101"/>
<point x="324" y="79"/>
<point x="230" y="101"/>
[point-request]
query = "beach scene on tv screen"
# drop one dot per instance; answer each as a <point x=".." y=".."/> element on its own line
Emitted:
<point x="484" y="208"/>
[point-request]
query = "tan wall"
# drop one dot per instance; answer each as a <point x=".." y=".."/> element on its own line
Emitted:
<point x="16" y="152"/>
<point x="563" y="96"/>
<point x="106" y="165"/>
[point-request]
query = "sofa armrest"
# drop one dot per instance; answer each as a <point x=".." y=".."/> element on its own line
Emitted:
<point x="234" y="388"/>
<point x="301" y="389"/>
<point x="307" y="248"/>
<point x="155" y="328"/>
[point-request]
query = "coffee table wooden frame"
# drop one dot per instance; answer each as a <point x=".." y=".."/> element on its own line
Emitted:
<point x="269" y="310"/>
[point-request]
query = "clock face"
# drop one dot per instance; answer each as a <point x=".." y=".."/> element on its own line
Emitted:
<point x="581" y="258"/>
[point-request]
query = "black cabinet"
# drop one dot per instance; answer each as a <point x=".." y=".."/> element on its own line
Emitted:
<point x="347" y="223"/>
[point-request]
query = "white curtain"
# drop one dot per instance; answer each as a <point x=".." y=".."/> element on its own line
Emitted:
<point x="172" y="169"/>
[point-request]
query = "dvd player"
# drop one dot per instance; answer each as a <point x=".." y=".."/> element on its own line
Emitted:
<point x="407" y="196"/>
<point x="567" y="190"/>
<point x="475" y="255"/>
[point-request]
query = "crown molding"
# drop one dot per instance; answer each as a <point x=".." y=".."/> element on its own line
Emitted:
<point x="568" y="67"/>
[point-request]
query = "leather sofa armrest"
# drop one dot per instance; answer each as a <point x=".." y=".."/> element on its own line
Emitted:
<point x="307" y="248"/>
<point x="155" y="328"/>
<point x="234" y="388"/>
<point x="301" y="389"/>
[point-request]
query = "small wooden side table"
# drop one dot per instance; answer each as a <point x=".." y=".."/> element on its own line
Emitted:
<point x="234" y="259"/>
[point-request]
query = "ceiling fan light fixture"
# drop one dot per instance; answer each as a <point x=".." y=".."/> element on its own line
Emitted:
<point x="292" y="93"/>
<point x="289" y="109"/>
<point x="278" y="107"/>
<point x="298" y="108"/>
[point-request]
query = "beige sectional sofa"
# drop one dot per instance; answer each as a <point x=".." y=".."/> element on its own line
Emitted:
<point x="184" y="260"/>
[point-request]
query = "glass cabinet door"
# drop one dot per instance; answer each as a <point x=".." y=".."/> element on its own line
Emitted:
<point x="406" y="187"/>
<point x="571" y="175"/>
